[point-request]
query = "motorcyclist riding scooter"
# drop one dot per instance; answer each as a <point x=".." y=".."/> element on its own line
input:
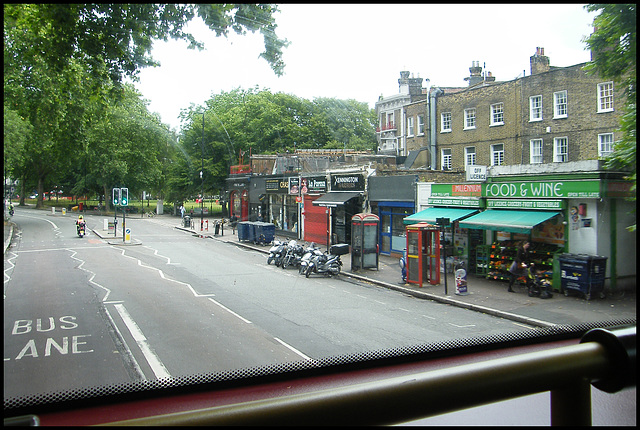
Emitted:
<point x="80" y="226"/>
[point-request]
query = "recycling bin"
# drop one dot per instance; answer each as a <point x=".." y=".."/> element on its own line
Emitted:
<point x="264" y="232"/>
<point x="583" y="274"/>
<point x="186" y="221"/>
<point x="245" y="231"/>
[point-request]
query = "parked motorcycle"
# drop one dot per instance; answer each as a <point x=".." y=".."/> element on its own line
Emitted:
<point x="310" y="252"/>
<point x="276" y="252"/>
<point x="80" y="228"/>
<point x="293" y="256"/>
<point x="328" y="264"/>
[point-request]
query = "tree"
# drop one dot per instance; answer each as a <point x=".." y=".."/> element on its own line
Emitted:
<point x="64" y="64"/>
<point x="115" y="40"/>
<point x="614" y="45"/>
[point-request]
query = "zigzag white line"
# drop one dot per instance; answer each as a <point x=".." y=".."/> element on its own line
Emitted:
<point x="155" y="252"/>
<point x="93" y="275"/>
<point x="161" y="273"/>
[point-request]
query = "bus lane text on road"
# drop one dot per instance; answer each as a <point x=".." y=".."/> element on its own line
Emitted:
<point x="60" y="340"/>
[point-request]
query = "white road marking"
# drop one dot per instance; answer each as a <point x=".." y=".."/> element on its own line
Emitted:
<point x="293" y="349"/>
<point x="230" y="311"/>
<point x="156" y="365"/>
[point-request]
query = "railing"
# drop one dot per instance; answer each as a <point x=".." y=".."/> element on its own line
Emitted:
<point x="386" y="127"/>
<point x="240" y="168"/>
<point x="605" y="358"/>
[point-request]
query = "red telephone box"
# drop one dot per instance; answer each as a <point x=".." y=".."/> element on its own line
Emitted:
<point x="423" y="253"/>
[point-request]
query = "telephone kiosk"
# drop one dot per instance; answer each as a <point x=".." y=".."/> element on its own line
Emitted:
<point x="364" y="241"/>
<point x="423" y="253"/>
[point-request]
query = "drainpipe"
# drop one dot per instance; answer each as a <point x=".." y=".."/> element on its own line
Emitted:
<point x="432" y="115"/>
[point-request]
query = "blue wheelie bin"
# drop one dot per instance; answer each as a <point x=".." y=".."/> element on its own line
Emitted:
<point x="583" y="274"/>
<point x="264" y="232"/>
<point x="245" y="231"/>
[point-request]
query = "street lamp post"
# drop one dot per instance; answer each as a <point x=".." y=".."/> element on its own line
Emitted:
<point x="202" y="178"/>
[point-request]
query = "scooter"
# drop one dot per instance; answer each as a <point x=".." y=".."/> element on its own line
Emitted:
<point x="80" y="226"/>
<point x="310" y="252"/>
<point x="293" y="256"/>
<point x="328" y="264"/>
<point x="275" y="252"/>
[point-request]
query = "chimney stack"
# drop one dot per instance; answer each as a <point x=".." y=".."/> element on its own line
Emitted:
<point x="539" y="62"/>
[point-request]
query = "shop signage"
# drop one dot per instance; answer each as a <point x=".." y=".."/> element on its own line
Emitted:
<point x="618" y="189"/>
<point x="453" y="190"/>
<point x="526" y="190"/>
<point x="452" y="201"/>
<point x="277" y="186"/>
<point x="294" y="185"/>
<point x="535" y="189"/>
<point x="476" y="173"/>
<point x="525" y="204"/>
<point x="352" y="182"/>
<point x="314" y="185"/>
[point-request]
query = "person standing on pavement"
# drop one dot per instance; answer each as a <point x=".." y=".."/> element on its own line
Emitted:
<point x="519" y="265"/>
<point x="181" y="211"/>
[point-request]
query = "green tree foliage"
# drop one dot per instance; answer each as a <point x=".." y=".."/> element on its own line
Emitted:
<point x="126" y="146"/>
<point x="64" y="66"/>
<point x="115" y="40"/>
<point x="261" y="122"/>
<point x="613" y="43"/>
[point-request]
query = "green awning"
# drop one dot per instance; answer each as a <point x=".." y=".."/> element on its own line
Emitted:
<point x="507" y="220"/>
<point x="430" y="214"/>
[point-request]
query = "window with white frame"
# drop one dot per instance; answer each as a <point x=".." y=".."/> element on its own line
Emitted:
<point x="410" y="126"/>
<point x="605" y="97"/>
<point x="605" y="144"/>
<point x="497" y="154"/>
<point x="445" y="122"/>
<point x="446" y="159"/>
<point x="497" y="114"/>
<point x="535" y="156"/>
<point x="535" y="108"/>
<point x="470" y="156"/>
<point x="560" y="150"/>
<point x="469" y="118"/>
<point x="560" y="104"/>
<point x="420" y="125"/>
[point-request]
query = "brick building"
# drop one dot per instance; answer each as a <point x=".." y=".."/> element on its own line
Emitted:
<point x="393" y="126"/>
<point x="554" y="115"/>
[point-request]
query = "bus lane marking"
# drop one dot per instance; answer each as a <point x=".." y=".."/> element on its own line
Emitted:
<point x="154" y="361"/>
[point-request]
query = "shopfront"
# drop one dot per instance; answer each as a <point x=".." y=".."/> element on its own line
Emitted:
<point x="283" y="196"/>
<point x="342" y="202"/>
<point x="557" y="215"/>
<point x="314" y="218"/>
<point x="238" y="197"/>
<point x="392" y="198"/>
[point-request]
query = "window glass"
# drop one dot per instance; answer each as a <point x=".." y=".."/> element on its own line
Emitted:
<point x="560" y="149"/>
<point x="446" y="121"/>
<point x="535" y="108"/>
<point x="605" y="97"/>
<point x="497" y="114"/>
<point x="560" y="104"/>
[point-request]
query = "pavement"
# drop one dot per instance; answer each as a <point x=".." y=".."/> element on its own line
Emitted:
<point x="483" y="295"/>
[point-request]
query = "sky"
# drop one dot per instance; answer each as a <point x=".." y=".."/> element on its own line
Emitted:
<point x="357" y="51"/>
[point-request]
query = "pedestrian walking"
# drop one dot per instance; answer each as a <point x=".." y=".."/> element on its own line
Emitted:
<point x="519" y="265"/>
<point x="181" y="211"/>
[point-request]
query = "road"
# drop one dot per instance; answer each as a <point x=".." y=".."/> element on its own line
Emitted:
<point x="94" y="311"/>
